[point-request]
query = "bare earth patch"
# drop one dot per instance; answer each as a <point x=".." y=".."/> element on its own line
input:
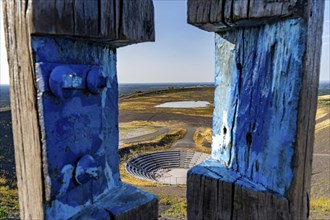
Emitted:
<point x="148" y="102"/>
<point x="320" y="193"/>
<point x="320" y="187"/>
<point x="137" y="118"/>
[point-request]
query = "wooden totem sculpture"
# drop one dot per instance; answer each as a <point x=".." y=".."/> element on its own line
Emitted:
<point x="266" y="77"/>
<point x="64" y="98"/>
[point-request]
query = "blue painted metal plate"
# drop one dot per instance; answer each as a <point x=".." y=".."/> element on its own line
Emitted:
<point x="80" y="124"/>
<point x="78" y="117"/>
<point x="72" y="128"/>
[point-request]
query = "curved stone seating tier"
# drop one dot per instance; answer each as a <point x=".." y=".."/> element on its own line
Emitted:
<point x="168" y="167"/>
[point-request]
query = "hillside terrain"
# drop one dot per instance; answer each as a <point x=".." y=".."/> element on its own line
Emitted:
<point x="145" y="128"/>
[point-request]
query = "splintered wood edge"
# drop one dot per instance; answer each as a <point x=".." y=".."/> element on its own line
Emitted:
<point x="113" y="22"/>
<point x="223" y="15"/>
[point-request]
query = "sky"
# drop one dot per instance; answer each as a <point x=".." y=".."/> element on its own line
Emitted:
<point x="181" y="53"/>
<point x="4" y="76"/>
<point x="325" y="57"/>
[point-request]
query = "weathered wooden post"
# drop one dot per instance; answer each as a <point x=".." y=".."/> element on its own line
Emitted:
<point x="62" y="58"/>
<point x="266" y="78"/>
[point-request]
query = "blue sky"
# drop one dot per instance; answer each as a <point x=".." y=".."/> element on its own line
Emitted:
<point x="181" y="53"/>
<point x="325" y="59"/>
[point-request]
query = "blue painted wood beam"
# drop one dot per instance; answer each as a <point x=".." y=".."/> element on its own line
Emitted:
<point x="78" y="115"/>
<point x="258" y="81"/>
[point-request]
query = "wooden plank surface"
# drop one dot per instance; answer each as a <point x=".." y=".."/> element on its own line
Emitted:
<point x="220" y="200"/>
<point x="285" y="168"/>
<point x="258" y="78"/>
<point x="116" y="22"/>
<point x="26" y="131"/>
<point x="122" y="203"/>
<point x="299" y="192"/>
<point x="146" y="211"/>
<point x="220" y="15"/>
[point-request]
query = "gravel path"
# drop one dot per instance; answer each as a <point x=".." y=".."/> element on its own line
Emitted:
<point x="150" y="136"/>
<point x="187" y="141"/>
<point x="321" y="155"/>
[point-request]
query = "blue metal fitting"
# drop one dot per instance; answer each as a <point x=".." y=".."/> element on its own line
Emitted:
<point x="63" y="80"/>
<point x="95" y="80"/>
<point x="86" y="170"/>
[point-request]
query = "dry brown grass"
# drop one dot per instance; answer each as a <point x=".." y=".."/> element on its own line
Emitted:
<point x="147" y="102"/>
<point x="161" y="140"/>
<point x="203" y="138"/>
<point x="324" y="100"/>
<point x="320" y="208"/>
<point x="8" y="200"/>
<point x="321" y="204"/>
<point x="174" y="207"/>
<point x="322" y="112"/>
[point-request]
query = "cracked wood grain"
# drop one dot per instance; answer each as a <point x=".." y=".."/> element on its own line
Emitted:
<point x="221" y="15"/>
<point x="26" y="131"/>
<point x="115" y="22"/>
<point x="265" y="104"/>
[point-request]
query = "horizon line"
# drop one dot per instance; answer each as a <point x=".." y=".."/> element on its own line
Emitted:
<point x="141" y="83"/>
<point x="321" y="81"/>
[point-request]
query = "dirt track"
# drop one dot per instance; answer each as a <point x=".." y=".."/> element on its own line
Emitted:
<point x="321" y="158"/>
<point x="187" y="141"/>
<point x="159" y="131"/>
<point x="126" y="116"/>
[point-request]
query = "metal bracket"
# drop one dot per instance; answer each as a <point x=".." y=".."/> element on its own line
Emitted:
<point x="63" y="80"/>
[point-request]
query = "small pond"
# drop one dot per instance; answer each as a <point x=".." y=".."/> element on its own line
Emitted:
<point x="184" y="104"/>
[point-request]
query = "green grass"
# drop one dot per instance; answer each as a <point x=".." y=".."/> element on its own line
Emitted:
<point x="176" y="206"/>
<point x="8" y="200"/>
<point x="203" y="138"/>
<point x="324" y="100"/>
<point x="321" y="204"/>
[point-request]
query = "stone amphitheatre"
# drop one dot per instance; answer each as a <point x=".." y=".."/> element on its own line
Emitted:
<point x="168" y="167"/>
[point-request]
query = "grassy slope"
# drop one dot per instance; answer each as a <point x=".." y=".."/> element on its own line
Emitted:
<point x="147" y="102"/>
<point x="8" y="187"/>
<point x="320" y="191"/>
<point x="203" y="139"/>
<point x="171" y="207"/>
<point x="174" y="206"/>
<point x="320" y="204"/>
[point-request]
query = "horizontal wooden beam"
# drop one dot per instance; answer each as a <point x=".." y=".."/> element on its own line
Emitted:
<point x="220" y="15"/>
<point x="214" y="193"/>
<point x="266" y="79"/>
<point x="115" y="22"/>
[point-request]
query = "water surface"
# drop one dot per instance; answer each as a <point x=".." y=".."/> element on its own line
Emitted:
<point x="184" y="104"/>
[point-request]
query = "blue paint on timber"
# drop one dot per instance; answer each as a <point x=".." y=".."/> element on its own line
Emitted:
<point x="258" y="81"/>
<point x="116" y="202"/>
<point x="79" y="124"/>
